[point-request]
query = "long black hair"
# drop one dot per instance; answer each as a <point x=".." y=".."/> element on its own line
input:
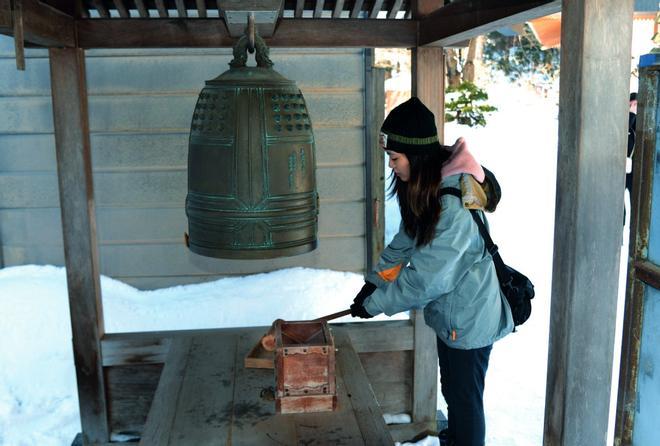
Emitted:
<point x="419" y="197"/>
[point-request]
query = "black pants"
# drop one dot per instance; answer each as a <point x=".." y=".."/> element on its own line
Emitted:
<point x="462" y="375"/>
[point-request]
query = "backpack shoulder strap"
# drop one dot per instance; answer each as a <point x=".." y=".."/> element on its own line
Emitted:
<point x="451" y="191"/>
<point x="502" y="272"/>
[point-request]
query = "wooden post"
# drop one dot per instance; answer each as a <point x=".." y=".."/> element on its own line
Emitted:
<point x="593" y="104"/>
<point x="374" y="160"/>
<point x="428" y="82"/>
<point x="70" y="117"/>
<point x="428" y="78"/>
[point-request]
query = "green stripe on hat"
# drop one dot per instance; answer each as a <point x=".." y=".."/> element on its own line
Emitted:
<point x="410" y="140"/>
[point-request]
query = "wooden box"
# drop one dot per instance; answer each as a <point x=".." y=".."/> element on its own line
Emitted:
<point x="304" y="367"/>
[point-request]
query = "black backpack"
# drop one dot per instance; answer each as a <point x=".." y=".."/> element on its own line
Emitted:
<point x="516" y="287"/>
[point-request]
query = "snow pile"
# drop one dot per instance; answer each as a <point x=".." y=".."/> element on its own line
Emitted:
<point x="38" y="396"/>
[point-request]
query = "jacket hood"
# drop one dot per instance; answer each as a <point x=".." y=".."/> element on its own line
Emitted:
<point x="462" y="161"/>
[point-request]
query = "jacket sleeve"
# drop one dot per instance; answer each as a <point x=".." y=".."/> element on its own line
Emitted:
<point x="394" y="257"/>
<point x="434" y="269"/>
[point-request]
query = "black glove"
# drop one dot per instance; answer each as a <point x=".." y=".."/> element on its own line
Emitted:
<point x="365" y="292"/>
<point x="358" y="310"/>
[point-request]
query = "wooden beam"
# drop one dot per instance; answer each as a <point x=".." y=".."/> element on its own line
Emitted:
<point x="339" y="7"/>
<point x="318" y="9"/>
<point x="142" y="9"/>
<point x="375" y="161"/>
<point x="201" y="8"/>
<point x="428" y="82"/>
<point x="428" y="85"/>
<point x="81" y="8"/>
<point x="101" y="9"/>
<point x="593" y="110"/>
<point x="121" y="8"/>
<point x="163" y="408"/>
<point x="151" y="347"/>
<point x="362" y="398"/>
<point x="212" y="33"/>
<point x="394" y="10"/>
<point x="162" y="10"/>
<point x="425" y="370"/>
<point x="42" y="24"/>
<point x="181" y="9"/>
<point x="357" y="8"/>
<point x="465" y="19"/>
<point x="19" y="38"/>
<point x="375" y="9"/>
<point x="74" y="166"/>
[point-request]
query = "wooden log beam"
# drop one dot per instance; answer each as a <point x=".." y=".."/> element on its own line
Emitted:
<point x="74" y="166"/>
<point x="428" y="85"/>
<point x="151" y="347"/>
<point x="212" y="33"/>
<point x="362" y="398"/>
<point x="465" y="19"/>
<point x="42" y="24"/>
<point x="593" y="106"/>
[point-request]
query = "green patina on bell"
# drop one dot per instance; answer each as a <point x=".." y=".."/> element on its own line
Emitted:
<point x="251" y="164"/>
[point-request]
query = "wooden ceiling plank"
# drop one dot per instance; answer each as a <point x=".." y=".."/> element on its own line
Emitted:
<point x="121" y="9"/>
<point x="465" y="19"/>
<point x="181" y="8"/>
<point x="339" y="7"/>
<point x="201" y="8"/>
<point x="142" y="9"/>
<point x="102" y="10"/>
<point x="84" y="12"/>
<point x="43" y="25"/>
<point x="300" y="7"/>
<point x="396" y="7"/>
<point x="212" y="33"/>
<point x="378" y="5"/>
<point x="162" y="10"/>
<point x="6" y="21"/>
<point x="357" y="7"/>
<point x="318" y="9"/>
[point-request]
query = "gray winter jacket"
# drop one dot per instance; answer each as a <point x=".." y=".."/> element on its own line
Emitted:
<point x="453" y="278"/>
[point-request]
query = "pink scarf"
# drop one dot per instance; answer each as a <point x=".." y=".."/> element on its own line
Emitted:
<point x="462" y="161"/>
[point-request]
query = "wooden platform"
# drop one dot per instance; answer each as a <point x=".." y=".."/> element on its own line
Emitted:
<point x="206" y="396"/>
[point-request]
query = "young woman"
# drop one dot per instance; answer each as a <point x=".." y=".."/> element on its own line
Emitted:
<point x="438" y="262"/>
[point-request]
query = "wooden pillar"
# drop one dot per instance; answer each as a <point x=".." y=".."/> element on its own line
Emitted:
<point x="374" y="158"/>
<point x="428" y="82"/>
<point x="74" y="167"/>
<point x="428" y="79"/>
<point x="593" y="105"/>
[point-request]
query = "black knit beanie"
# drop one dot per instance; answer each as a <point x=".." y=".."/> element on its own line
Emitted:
<point x="410" y="128"/>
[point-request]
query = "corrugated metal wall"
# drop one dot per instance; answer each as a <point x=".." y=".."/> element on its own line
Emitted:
<point x="140" y="105"/>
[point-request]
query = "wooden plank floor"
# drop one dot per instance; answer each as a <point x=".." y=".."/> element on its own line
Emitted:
<point x="207" y="397"/>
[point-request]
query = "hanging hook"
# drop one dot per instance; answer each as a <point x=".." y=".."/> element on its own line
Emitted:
<point x="251" y="32"/>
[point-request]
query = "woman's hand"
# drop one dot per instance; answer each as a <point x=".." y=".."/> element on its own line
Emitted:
<point x="365" y="292"/>
<point x="357" y="309"/>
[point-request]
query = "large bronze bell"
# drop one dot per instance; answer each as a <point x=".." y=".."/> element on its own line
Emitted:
<point x="251" y="164"/>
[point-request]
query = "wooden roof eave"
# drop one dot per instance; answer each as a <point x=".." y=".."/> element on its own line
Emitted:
<point x="212" y="33"/>
<point x="42" y="25"/>
<point x="460" y="21"/>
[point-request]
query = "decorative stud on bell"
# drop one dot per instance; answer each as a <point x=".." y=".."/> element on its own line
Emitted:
<point x="251" y="163"/>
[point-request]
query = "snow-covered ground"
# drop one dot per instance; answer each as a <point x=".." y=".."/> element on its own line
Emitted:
<point x="38" y="401"/>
